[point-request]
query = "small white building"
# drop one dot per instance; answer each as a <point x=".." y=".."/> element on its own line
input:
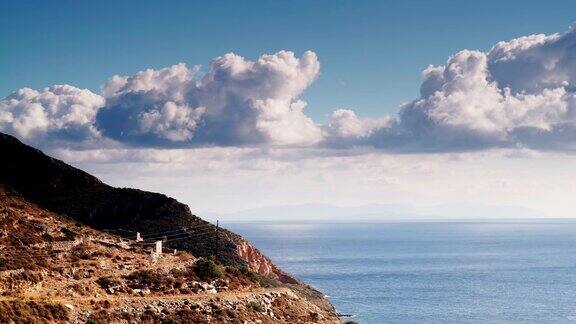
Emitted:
<point x="158" y="247"/>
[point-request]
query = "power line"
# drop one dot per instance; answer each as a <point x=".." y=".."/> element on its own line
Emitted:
<point x="196" y="235"/>
<point x="217" y="238"/>
<point x="117" y="230"/>
<point x="177" y="229"/>
<point x="147" y="237"/>
<point x="168" y="232"/>
<point x="189" y="237"/>
<point x="164" y="232"/>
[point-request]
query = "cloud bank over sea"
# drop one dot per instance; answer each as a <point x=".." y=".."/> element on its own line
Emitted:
<point x="520" y="94"/>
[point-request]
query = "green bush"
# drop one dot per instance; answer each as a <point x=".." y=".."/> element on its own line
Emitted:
<point x="2" y="262"/>
<point x="206" y="269"/>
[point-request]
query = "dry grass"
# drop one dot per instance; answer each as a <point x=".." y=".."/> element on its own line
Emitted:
<point x="31" y="312"/>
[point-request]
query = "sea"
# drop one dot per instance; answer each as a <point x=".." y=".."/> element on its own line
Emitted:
<point x="520" y="271"/>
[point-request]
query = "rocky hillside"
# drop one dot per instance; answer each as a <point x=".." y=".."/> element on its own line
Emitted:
<point x="59" y="189"/>
<point x="68" y="191"/>
<point x="54" y="269"/>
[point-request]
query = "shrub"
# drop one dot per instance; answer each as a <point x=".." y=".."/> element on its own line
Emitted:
<point x="233" y="270"/>
<point x="206" y="269"/>
<point x="256" y="306"/>
<point x="253" y="276"/>
<point x="243" y="271"/>
<point x="106" y="282"/>
<point x="150" y="279"/>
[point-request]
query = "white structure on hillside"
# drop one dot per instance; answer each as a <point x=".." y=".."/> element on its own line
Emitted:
<point x="158" y="247"/>
<point x="139" y="237"/>
<point x="156" y="251"/>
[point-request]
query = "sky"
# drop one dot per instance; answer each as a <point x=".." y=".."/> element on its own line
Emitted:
<point x="391" y="108"/>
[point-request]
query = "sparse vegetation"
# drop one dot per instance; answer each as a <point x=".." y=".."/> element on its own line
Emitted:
<point x="23" y="259"/>
<point x="152" y="280"/>
<point x="27" y="275"/>
<point x="269" y="282"/>
<point x="107" y="282"/>
<point x="31" y="312"/>
<point x="243" y="271"/>
<point x="256" y="306"/>
<point x="207" y="269"/>
<point x="48" y="256"/>
<point x="83" y="252"/>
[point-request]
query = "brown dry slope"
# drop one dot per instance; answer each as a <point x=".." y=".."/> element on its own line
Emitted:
<point x="53" y="269"/>
<point x="49" y="257"/>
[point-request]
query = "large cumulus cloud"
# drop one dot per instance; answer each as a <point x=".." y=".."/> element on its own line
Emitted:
<point x="237" y="102"/>
<point x="519" y="94"/>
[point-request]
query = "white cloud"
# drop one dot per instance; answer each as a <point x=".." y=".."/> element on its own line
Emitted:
<point x="519" y="94"/>
<point x="172" y="122"/>
<point x="60" y="112"/>
<point x="471" y="103"/>
<point x="345" y="128"/>
<point x="237" y="102"/>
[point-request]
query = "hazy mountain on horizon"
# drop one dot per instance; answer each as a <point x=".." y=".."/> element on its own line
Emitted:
<point x="376" y="212"/>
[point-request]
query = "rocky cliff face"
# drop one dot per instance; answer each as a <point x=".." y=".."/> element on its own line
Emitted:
<point x="63" y="189"/>
<point x="259" y="263"/>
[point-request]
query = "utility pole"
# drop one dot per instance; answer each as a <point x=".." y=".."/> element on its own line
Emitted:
<point x="217" y="238"/>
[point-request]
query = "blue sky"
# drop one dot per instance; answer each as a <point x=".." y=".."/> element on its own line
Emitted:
<point x="372" y="52"/>
<point x="493" y="130"/>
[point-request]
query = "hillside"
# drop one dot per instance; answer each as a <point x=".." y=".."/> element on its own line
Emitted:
<point x="55" y="269"/>
<point x="67" y="253"/>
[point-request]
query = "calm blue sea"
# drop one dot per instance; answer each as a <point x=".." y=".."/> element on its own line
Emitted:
<point x="473" y="272"/>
